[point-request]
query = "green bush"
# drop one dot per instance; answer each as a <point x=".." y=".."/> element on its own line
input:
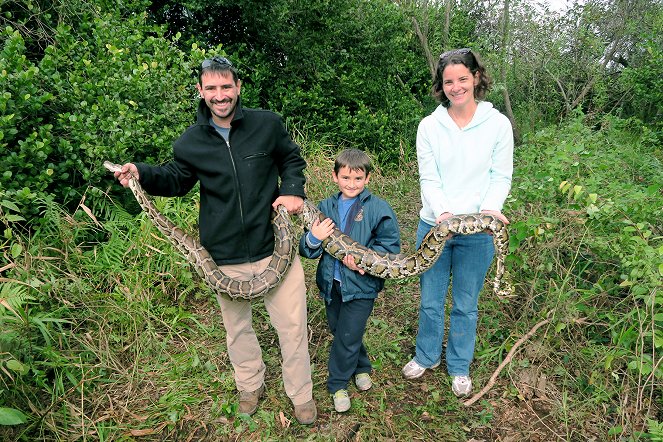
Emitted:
<point x="348" y="71"/>
<point x="124" y="93"/>
<point x="587" y="203"/>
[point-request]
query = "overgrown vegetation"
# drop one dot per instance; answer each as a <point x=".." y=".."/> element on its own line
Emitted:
<point x="85" y="80"/>
<point x="106" y="333"/>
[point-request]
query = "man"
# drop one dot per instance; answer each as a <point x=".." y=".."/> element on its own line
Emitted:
<point x="238" y="155"/>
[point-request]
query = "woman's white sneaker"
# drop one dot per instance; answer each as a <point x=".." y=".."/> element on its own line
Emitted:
<point x="461" y="385"/>
<point x="412" y="370"/>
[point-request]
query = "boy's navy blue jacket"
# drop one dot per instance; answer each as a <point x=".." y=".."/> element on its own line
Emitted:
<point x="375" y="226"/>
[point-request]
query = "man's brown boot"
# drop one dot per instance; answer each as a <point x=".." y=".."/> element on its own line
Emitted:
<point x="248" y="400"/>
<point x="306" y="413"/>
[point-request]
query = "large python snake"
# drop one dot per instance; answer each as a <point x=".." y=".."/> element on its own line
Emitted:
<point x="339" y="245"/>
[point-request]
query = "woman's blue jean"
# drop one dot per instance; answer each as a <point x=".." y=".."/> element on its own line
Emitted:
<point x="463" y="263"/>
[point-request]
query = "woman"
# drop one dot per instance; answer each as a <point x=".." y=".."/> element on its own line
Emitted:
<point x="465" y="157"/>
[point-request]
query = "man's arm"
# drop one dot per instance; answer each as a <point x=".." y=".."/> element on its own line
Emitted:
<point x="291" y="166"/>
<point x="174" y="178"/>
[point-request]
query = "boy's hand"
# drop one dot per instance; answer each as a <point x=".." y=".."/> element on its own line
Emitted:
<point x="349" y="262"/>
<point x="322" y="229"/>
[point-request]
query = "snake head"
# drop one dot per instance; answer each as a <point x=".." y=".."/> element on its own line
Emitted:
<point x="112" y="166"/>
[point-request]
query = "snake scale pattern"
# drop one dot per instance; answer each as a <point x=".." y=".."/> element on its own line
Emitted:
<point x="383" y="265"/>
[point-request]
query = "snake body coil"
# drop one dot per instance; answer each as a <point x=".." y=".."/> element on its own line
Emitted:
<point x="339" y="245"/>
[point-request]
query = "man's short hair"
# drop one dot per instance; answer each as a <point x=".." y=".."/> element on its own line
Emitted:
<point x="217" y="64"/>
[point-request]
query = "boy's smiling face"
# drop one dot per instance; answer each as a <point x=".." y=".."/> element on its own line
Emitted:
<point x="351" y="182"/>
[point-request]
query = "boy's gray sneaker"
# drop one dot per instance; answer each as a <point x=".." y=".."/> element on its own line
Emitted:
<point x="363" y="381"/>
<point x="341" y="401"/>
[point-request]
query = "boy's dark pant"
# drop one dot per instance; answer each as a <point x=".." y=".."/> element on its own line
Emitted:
<point x="347" y="323"/>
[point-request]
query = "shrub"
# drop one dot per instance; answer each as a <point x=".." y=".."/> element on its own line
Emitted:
<point x="124" y="93"/>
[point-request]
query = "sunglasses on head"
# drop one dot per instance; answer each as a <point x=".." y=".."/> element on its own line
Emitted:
<point x="448" y="54"/>
<point x="207" y="63"/>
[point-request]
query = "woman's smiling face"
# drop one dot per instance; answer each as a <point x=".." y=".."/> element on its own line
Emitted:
<point x="458" y="83"/>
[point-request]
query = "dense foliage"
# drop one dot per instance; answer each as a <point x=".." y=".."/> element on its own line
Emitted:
<point x="89" y="80"/>
<point x="343" y="70"/>
<point x="93" y="304"/>
<point x="122" y="93"/>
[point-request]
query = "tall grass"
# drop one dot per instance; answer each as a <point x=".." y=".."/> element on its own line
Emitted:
<point x="106" y="333"/>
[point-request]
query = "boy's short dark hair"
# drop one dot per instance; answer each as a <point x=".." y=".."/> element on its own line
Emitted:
<point x="353" y="159"/>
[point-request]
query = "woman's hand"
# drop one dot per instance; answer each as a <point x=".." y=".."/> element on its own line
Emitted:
<point x="497" y="214"/>
<point x="443" y="216"/>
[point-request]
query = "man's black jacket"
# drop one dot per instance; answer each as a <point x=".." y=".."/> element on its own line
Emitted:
<point x="239" y="180"/>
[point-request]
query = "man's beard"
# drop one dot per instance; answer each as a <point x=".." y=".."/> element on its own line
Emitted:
<point x="229" y="112"/>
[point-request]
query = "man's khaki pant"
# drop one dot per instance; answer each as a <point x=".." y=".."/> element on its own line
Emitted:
<point x="286" y="305"/>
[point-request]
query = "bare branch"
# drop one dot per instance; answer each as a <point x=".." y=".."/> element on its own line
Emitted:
<point x="424" y="45"/>
<point x="505" y="362"/>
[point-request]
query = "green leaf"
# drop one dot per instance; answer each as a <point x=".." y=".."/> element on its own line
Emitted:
<point x="16" y="366"/>
<point x="577" y="190"/>
<point x="14" y="218"/>
<point x="17" y="249"/>
<point x="564" y="186"/>
<point x="11" y="416"/>
<point x="615" y="430"/>
<point x="9" y="205"/>
<point x="658" y="341"/>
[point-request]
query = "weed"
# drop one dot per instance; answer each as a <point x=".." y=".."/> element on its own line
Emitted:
<point x="106" y="333"/>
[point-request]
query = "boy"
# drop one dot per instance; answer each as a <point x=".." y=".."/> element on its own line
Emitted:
<point x="349" y="294"/>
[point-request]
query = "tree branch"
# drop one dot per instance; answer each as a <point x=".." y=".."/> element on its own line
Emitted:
<point x="504" y="363"/>
<point x="424" y="45"/>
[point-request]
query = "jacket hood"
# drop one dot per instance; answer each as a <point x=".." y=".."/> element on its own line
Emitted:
<point x="485" y="111"/>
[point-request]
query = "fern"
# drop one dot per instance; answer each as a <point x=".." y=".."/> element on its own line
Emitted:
<point x="12" y="297"/>
<point x="110" y="256"/>
<point x="105" y="208"/>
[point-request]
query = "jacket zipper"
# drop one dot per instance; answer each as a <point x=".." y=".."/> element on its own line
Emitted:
<point x="239" y="197"/>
